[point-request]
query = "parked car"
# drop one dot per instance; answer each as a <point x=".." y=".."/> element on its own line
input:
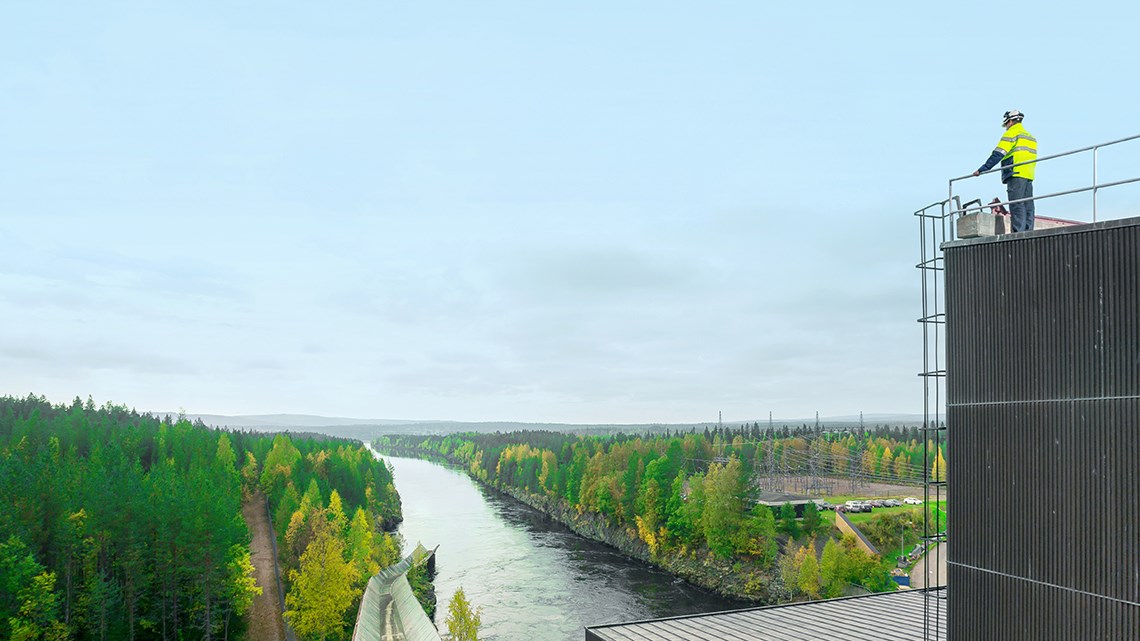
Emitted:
<point x="857" y="506"/>
<point x="892" y="503"/>
<point x="876" y="502"/>
<point x="824" y="505"/>
<point x="910" y="500"/>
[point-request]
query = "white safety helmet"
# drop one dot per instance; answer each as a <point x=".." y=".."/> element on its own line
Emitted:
<point x="1012" y="115"/>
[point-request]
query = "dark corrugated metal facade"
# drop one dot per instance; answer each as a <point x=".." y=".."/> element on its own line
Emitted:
<point x="1043" y="395"/>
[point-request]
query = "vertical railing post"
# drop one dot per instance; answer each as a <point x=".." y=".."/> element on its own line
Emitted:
<point x="1095" y="149"/>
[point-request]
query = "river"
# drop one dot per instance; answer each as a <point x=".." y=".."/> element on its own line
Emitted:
<point x="533" y="577"/>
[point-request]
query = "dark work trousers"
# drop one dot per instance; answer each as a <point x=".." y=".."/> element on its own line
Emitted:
<point x="1020" y="214"/>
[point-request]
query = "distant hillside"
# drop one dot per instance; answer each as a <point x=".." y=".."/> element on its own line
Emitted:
<point x="283" y="421"/>
<point x="368" y="428"/>
<point x="873" y="418"/>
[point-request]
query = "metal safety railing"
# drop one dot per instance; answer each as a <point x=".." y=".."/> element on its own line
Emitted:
<point x="1094" y="187"/>
<point x="936" y="227"/>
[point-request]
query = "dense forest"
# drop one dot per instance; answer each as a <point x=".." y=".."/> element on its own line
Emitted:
<point x="331" y="504"/>
<point x="120" y="525"/>
<point x="691" y="495"/>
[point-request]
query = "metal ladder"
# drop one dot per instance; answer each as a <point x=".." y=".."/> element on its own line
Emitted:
<point x="935" y="228"/>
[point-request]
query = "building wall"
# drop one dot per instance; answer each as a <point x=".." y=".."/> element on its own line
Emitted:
<point x="1043" y="407"/>
<point x="847" y="527"/>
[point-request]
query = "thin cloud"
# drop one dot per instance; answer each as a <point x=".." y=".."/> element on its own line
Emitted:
<point x="84" y="357"/>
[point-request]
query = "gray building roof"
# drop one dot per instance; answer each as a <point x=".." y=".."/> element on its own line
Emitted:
<point x="780" y="498"/>
<point x="892" y="616"/>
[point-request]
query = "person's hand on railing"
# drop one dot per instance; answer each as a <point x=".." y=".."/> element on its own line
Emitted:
<point x="977" y="173"/>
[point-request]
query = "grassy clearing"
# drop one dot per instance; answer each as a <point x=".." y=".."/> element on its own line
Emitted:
<point x="861" y="517"/>
<point x="891" y="556"/>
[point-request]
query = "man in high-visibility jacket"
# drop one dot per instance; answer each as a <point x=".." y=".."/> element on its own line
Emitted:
<point x="1015" y="147"/>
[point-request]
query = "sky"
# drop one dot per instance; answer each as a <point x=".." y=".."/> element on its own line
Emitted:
<point x="588" y="212"/>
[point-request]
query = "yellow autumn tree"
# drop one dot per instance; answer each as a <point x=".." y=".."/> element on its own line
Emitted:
<point x="839" y="456"/>
<point x="869" y="461"/>
<point x="249" y="473"/>
<point x="462" y="620"/>
<point x="336" y="514"/>
<point x="360" y="545"/>
<point x="902" y="467"/>
<point x="938" y="469"/>
<point x="648" y="534"/>
<point x="322" y="589"/>
<point x="808" y="579"/>
<point x="886" y="462"/>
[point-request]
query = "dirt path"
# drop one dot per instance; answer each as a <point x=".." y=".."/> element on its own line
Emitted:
<point x="265" y="623"/>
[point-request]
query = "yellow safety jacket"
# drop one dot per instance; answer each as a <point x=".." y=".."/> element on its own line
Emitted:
<point x="1017" y="146"/>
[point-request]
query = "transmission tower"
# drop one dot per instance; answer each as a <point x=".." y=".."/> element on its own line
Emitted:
<point x="857" y="474"/>
<point x="813" y="484"/>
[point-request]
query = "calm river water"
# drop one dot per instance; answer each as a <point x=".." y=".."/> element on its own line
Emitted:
<point x="535" y="579"/>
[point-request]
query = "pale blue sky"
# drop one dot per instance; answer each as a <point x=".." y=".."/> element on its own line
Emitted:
<point x="512" y="211"/>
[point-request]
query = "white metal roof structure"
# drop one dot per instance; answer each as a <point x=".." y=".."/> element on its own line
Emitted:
<point x="389" y="611"/>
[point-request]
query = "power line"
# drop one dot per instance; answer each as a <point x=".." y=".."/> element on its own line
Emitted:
<point x="852" y="457"/>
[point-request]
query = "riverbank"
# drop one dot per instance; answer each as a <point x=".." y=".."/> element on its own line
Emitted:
<point x="533" y="577"/>
<point x="727" y="578"/>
